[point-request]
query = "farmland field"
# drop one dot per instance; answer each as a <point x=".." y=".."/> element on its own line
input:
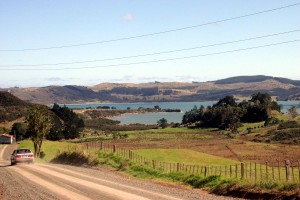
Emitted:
<point x="207" y="141"/>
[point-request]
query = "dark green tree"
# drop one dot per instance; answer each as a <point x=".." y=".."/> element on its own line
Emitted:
<point x="19" y="130"/>
<point x="73" y="125"/>
<point x="56" y="131"/>
<point x="39" y="124"/>
<point x="163" y="123"/>
<point x="227" y="101"/>
<point x="193" y="115"/>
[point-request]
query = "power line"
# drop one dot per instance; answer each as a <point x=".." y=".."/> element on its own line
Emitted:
<point x="154" y="61"/>
<point x="151" y="54"/>
<point x="154" y="33"/>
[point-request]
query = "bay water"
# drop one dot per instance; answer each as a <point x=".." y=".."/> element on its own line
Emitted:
<point x="175" y="117"/>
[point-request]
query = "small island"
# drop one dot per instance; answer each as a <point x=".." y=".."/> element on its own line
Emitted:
<point x="109" y="112"/>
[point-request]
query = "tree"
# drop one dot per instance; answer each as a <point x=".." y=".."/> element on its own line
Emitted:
<point x="56" y="131"/>
<point x="19" y="130"/>
<point x="163" y="123"/>
<point x="193" y="115"/>
<point x="292" y="112"/>
<point x="227" y="101"/>
<point x="72" y="123"/>
<point x="259" y="108"/>
<point x="226" y="114"/>
<point x="157" y="107"/>
<point x="39" y="125"/>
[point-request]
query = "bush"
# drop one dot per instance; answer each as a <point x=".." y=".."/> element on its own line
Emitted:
<point x="288" y="124"/>
<point x="75" y="158"/>
<point x="287" y="134"/>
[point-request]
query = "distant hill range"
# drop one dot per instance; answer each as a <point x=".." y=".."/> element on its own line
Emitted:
<point x="240" y="87"/>
<point x="11" y="107"/>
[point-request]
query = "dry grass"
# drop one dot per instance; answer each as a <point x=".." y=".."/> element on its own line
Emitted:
<point x="209" y="142"/>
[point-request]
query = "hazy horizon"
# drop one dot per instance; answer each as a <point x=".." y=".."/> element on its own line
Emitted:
<point x="134" y="82"/>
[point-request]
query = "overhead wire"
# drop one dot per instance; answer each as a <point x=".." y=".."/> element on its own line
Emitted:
<point x="154" y="33"/>
<point x="150" y="54"/>
<point x="153" y="61"/>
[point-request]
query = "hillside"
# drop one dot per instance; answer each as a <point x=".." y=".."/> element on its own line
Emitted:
<point x="11" y="107"/>
<point x="240" y="87"/>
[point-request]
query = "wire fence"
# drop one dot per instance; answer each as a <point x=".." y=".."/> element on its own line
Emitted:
<point x="280" y="171"/>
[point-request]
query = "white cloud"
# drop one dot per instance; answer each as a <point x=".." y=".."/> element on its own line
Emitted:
<point x="128" y="17"/>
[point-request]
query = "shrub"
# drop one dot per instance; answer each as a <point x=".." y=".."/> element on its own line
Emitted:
<point x="288" y="124"/>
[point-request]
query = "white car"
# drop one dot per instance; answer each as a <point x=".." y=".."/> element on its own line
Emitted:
<point x="22" y="155"/>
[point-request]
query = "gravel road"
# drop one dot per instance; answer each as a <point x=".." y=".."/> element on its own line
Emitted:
<point x="54" y="181"/>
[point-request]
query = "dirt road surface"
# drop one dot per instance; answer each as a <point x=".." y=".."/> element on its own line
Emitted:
<point x="53" y="181"/>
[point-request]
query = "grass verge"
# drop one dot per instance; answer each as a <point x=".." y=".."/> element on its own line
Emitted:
<point x="214" y="184"/>
<point x="50" y="149"/>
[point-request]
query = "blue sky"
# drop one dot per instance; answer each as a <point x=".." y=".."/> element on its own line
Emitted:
<point x="40" y="23"/>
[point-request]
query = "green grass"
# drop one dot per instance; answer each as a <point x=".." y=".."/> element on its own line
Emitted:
<point x="49" y="148"/>
<point x="169" y="130"/>
<point x="185" y="156"/>
<point x="245" y="126"/>
<point x="283" y="117"/>
<point x="169" y="134"/>
<point x="212" y="183"/>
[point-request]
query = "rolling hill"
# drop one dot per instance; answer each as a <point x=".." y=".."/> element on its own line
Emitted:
<point x="240" y="87"/>
<point x="11" y="107"/>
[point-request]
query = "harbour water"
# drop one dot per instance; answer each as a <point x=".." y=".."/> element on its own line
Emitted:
<point x="152" y="118"/>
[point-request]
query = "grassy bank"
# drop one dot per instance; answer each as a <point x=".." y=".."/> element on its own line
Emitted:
<point x="213" y="183"/>
<point x="50" y="149"/>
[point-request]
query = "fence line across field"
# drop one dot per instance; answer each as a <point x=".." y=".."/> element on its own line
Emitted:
<point x="279" y="171"/>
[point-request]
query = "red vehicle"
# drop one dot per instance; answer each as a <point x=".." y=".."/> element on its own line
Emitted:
<point x="22" y="155"/>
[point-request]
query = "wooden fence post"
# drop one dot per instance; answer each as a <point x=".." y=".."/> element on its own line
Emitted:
<point x="250" y="171"/>
<point x="114" y="148"/>
<point x="101" y="145"/>
<point x="287" y="169"/>
<point x="205" y="171"/>
<point x="298" y="170"/>
<point x="279" y="178"/>
<point x="153" y="164"/>
<point x="242" y="171"/>
<point x="273" y="174"/>
<point x="246" y="170"/>
<point x="255" y="171"/>
<point x="267" y="172"/>
<point x="230" y="171"/>
<point x="260" y="169"/>
<point x="236" y="171"/>
<point x="177" y="167"/>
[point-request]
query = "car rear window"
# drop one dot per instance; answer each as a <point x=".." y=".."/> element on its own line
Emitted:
<point x="22" y="151"/>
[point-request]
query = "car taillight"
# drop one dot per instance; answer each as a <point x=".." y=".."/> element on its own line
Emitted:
<point x="18" y="156"/>
<point x="30" y="155"/>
